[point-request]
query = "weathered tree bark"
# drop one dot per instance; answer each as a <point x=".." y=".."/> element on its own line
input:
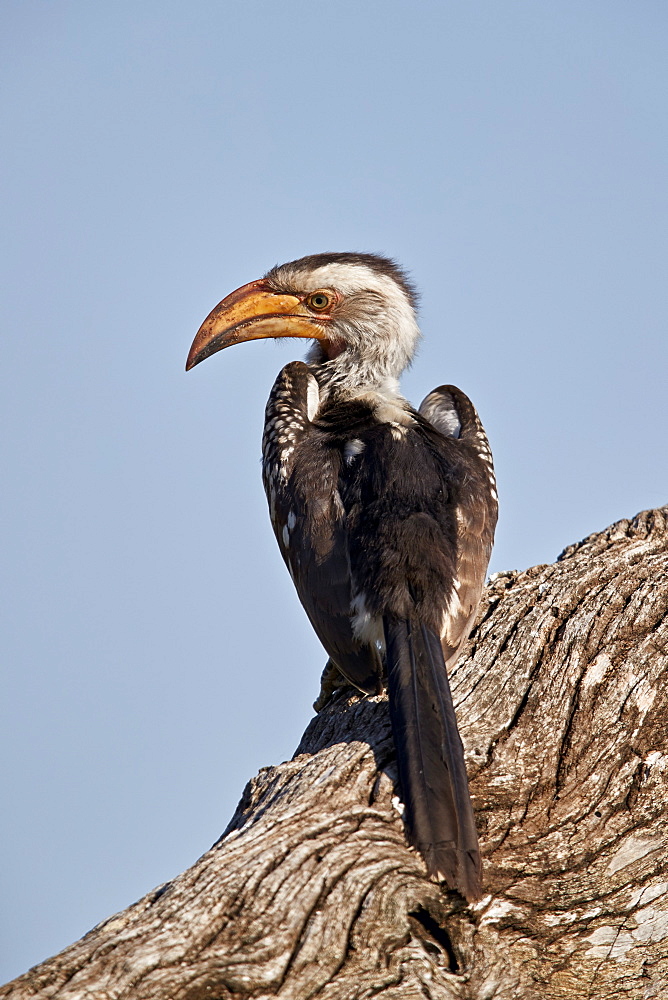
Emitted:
<point x="562" y="702"/>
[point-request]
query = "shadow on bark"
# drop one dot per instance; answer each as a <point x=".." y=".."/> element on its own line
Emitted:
<point x="312" y="891"/>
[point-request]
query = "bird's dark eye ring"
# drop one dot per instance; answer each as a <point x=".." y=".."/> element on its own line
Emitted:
<point x="319" y="301"/>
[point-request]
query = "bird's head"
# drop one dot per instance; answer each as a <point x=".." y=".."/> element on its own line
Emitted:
<point x="358" y="309"/>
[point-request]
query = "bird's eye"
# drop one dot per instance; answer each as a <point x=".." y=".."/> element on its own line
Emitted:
<point x="319" y="301"/>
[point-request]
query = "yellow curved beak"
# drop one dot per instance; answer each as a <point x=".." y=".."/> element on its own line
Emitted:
<point x="252" y="312"/>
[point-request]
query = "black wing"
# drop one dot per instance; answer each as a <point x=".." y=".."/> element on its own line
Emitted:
<point x="452" y="414"/>
<point x="301" y="472"/>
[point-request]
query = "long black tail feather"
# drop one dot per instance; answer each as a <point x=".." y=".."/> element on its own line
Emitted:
<point x="432" y="771"/>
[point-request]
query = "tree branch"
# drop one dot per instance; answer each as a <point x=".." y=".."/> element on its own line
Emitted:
<point x="313" y="892"/>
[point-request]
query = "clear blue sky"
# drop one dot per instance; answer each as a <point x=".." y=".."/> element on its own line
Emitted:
<point x="158" y="153"/>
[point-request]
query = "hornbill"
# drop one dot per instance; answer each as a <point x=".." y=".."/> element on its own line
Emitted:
<point x="384" y="515"/>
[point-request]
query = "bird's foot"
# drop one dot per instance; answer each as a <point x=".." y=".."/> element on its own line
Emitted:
<point x="332" y="680"/>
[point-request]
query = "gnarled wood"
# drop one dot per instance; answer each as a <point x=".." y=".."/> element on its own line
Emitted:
<point x="312" y="892"/>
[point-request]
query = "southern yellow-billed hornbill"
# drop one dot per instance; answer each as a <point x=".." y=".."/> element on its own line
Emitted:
<point x="384" y="515"/>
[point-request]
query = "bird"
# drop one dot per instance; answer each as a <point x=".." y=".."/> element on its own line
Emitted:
<point x="384" y="515"/>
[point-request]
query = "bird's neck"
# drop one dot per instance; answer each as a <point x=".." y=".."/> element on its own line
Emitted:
<point x="347" y="378"/>
<point x="352" y="373"/>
